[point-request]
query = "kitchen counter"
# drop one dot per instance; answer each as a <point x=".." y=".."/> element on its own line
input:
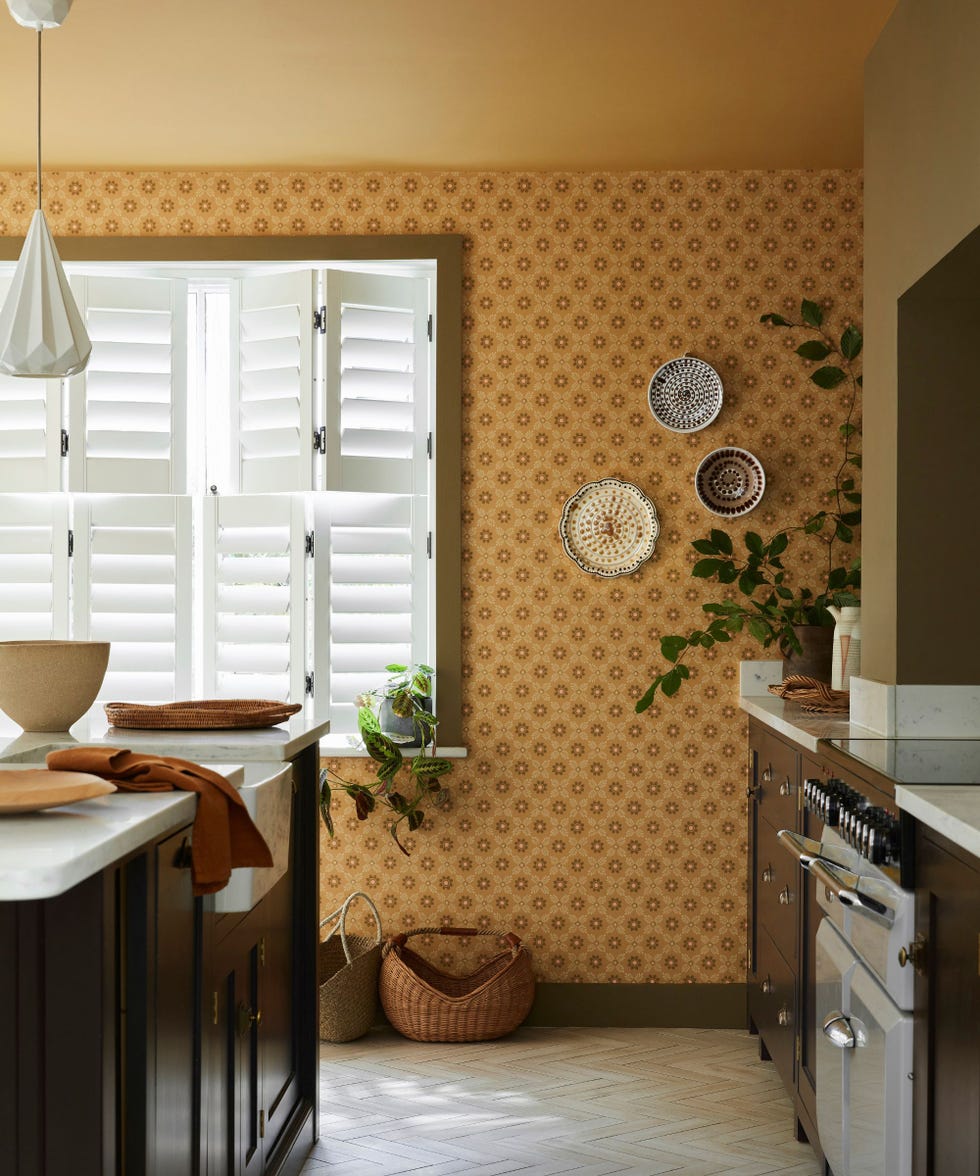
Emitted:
<point x="787" y="718"/>
<point x="952" y="810"/>
<point x="46" y="853"/>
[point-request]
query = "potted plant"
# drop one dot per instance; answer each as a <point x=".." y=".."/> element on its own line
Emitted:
<point x="401" y="784"/>
<point x="773" y="607"/>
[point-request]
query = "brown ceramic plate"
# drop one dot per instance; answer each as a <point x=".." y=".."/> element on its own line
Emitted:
<point x="28" y="790"/>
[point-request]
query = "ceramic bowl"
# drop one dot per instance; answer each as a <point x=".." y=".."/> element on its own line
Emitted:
<point x="48" y="685"/>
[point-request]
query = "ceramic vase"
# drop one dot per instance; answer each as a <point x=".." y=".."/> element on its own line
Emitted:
<point x="847" y="646"/>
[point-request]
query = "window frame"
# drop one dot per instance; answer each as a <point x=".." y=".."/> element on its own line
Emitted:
<point x="446" y="251"/>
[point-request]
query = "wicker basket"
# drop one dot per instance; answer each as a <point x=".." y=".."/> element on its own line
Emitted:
<point x="426" y="1004"/>
<point x="203" y="714"/>
<point x="348" y="977"/>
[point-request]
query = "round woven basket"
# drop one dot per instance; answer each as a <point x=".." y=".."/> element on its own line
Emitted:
<point x="426" y="1004"/>
<point x="348" y="977"/>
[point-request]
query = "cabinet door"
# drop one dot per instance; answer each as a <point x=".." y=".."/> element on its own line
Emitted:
<point x="279" y="1078"/>
<point x="946" y="1111"/>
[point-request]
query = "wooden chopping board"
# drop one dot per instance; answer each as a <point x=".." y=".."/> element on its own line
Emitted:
<point x="29" y="790"/>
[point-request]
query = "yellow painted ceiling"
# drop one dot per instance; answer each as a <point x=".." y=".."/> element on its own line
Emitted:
<point x="469" y="84"/>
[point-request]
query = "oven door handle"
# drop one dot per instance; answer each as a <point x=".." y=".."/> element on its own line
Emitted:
<point x="837" y="1029"/>
<point x="804" y="849"/>
<point x="846" y="887"/>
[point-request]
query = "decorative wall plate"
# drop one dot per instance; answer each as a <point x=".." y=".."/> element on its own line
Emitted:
<point x="609" y="528"/>
<point x="730" y="482"/>
<point x="685" y="394"/>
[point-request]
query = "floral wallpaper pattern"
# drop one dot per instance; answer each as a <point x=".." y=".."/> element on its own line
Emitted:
<point x="614" y="844"/>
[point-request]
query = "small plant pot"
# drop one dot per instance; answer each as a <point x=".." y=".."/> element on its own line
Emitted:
<point x="404" y="732"/>
<point x="816" y="660"/>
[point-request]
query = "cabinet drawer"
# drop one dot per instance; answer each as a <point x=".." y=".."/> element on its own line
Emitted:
<point x="777" y="891"/>
<point x="772" y="1004"/>
<point x="777" y="780"/>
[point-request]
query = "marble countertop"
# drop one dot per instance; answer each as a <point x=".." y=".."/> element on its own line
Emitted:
<point x="786" y="718"/>
<point x="264" y="745"/>
<point x="952" y="810"/>
<point x="46" y="853"/>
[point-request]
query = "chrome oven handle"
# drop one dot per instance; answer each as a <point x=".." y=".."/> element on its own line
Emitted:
<point x="804" y="849"/>
<point x="846" y="887"/>
<point x="837" y="1029"/>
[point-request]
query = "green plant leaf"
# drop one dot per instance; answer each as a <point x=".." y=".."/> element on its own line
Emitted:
<point x="705" y="547"/>
<point x="722" y="540"/>
<point x="428" y="767"/>
<point x="777" y="320"/>
<point x="855" y="460"/>
<point x="704" y="569"/>
<point x="735" y="623"/>
<point x="388" y="768"/>
<point x="421" y="683"/>
<point x="815" y="523"/>
<point x="811" y="312"/>
<point x="813" y="349"/>
<point x="325" y="797"/>
<point x="364" y="804"/>
<point x="851" y="518"/>
<point x="671" y="682"/>
<point x="415" y="819"/>
<point x="379" y="747"/>
<point x="854" y="497"/>
<point x="779" y="544"/>
<point x="851" y="343"/>
<point x="753" y="542"/>
<point x="644" y="702"/>
<point x="727" y="573"/>
<point x="395" y="668"/>
<point x="844" y="532"/>
<point x="684" y="671"/>
<point x="847" y="429"/>
<point x="671" y="647"/>
<point x="367" y="721"/>
<point x="847" y="484"/>
<point x="828" y="377"/>
<point x="760" y="630"/>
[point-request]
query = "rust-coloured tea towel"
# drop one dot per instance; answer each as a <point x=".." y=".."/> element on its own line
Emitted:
<point x="224" y="835"/>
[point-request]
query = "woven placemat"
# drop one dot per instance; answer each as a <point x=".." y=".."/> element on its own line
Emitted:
<point x="812" y="696"/>
<point x="205" y="714"/>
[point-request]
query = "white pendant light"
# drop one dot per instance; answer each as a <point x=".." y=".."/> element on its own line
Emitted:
<point x="42" y="334"/>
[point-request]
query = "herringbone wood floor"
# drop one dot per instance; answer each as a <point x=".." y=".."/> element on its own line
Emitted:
<point x="550" y="1102"/>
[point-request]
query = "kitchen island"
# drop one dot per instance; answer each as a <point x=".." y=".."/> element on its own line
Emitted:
<point x="143" y="1029"/>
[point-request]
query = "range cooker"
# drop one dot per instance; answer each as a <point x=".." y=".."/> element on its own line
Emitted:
<point x="862" y="860"/>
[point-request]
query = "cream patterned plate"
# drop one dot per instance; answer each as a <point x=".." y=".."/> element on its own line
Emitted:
<point x="609" y="528"/>
<point x="730" y="482"/>
<point x="685" y="394"/>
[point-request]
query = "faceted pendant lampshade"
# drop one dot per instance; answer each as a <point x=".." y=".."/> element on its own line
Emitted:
<point x="39" y="14"/>
<point x="41" y="332"/>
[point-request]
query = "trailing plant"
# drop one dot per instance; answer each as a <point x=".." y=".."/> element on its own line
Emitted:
<point x="772" y="604"/>
<point x="402" y="784"/>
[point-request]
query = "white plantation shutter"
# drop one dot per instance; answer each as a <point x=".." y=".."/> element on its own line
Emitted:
<point x="30" y="430"/>
<point x="377" y="376"/>
<point x="132" y="586"/>
<point x="272" y="358"/>
<point x="33" y="567"/>
<point x="128" y="407"/>
<point x="377" y="600"/>
<point x="255" y="597"/>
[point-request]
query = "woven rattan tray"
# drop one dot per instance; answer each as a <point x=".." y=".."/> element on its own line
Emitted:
<point x="206" y="714"/>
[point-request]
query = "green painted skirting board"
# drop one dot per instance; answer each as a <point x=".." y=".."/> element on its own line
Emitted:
<point x="690" y="1006"/>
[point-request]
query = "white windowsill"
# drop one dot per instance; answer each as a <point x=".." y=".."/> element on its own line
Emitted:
<point x="338" y="747"/>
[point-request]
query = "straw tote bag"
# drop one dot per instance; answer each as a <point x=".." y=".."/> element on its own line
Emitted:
<point x="348" y="976"/>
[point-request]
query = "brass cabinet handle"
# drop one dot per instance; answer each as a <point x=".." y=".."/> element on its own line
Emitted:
<point x="785" y="896"/>
<point x="768" y="874"/>
<point x="767" y="775"/>
<point x="786" y="788"/>
<point x="784" y="1017"/>
<point x="768" y="988"/>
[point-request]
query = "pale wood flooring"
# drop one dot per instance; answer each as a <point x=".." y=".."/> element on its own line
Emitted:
<point x="550" y="1102"/>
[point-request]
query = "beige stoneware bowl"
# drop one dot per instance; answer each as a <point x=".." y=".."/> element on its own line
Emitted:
<point x="48" y="685"/>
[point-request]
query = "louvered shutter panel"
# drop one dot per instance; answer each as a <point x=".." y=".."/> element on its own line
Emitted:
<point x="132" y="586"/>
<point x="33" y="567"/>
<point x="128" y="408"/>
<point x="272" y="355"/>
<point x="255" y="597"/>
<point x="377" y="376"/>
<point x="30" y="430"/>
<point x="377" y="604"/>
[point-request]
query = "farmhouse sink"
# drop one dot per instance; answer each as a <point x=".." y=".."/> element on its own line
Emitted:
<point x="268" y="796"/>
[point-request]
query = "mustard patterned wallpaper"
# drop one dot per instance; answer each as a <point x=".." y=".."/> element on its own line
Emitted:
<point x="612" y="843"/>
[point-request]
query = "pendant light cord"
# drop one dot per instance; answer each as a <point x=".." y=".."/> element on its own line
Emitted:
<point x="39" y="118"/>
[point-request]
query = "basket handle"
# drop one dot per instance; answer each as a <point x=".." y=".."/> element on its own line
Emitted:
<point x="399" y="940"/>
<point x="341" y="914"/>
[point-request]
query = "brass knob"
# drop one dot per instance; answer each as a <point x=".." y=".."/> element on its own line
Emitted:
<point x="784" y="1017"/>
<point x="913" y="954"/>
<point x="768" y="988"/>
<point x="785" y="896"/>
<point x="768" y="874"/>
<point x="245" y="1018"/>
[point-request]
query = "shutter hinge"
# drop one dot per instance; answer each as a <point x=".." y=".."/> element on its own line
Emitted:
<point x="309" y="685"/>
<point x="71" y="544"/>
<point x="320" y="439"/>
<point x="320" y="320"/>
<point x="310" y="545"/>
<point x="64" y="442"/>
<point x="428" y="545"/>
<point x="214" y="1008"/>
<point x="428" y="328"/>
<point x="262" y="1124"/>
<point x="428" y="447"/>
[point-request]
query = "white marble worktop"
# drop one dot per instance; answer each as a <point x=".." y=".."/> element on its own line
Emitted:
<point x="263" y="745"/>
<point x="46" y="853"/>
<point x="787" y="718"/>
<point x="952" y="810"/>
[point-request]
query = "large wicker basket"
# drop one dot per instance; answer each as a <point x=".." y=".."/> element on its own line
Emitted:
<point x="348" y="977"/>
<point x="426" y="1004"/>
